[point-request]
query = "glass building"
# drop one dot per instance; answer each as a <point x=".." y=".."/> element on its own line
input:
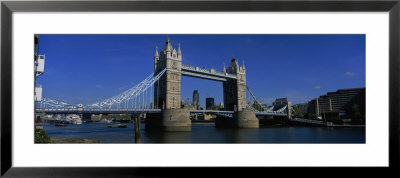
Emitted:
<point x="196" y="99"/>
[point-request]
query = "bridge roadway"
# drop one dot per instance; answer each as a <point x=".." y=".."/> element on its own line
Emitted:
<point x="203" y="73"/>
<point x="132" y="111"/>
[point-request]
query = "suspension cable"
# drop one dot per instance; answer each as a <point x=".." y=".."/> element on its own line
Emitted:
<point x="132" y="95"/>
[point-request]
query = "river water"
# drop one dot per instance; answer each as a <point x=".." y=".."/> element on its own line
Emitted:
<point x="207" y="133"/>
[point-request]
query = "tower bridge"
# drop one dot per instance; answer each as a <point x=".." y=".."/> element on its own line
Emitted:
<point x="162" y="91"/>
<point x="167" y="92"/>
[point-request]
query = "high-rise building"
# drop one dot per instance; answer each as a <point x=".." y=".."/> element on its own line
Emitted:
<point x="209" y="102"/>
<point x="196" y="99"/>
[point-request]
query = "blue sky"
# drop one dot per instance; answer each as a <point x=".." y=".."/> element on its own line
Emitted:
<point x="88" y="68"/>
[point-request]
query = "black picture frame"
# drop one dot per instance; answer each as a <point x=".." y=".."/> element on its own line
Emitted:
<point x="8" y="7"/>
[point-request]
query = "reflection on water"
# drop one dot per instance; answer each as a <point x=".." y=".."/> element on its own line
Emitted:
<point x="207" y="133"/>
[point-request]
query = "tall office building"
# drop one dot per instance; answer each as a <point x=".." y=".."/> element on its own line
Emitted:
<point x="196" y="99"/>
<point x="209" y="102"/>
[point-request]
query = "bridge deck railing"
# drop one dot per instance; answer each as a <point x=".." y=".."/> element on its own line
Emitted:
<point x="208" y="71"/>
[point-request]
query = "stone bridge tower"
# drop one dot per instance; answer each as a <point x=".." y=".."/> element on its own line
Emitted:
<point x="235" y="90"/>
<point x="235" y="98"/>
<point x="167" y="91"/>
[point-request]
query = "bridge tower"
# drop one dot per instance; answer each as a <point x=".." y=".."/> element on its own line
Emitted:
<point x="235" y="90"/>
<point x="289" y="110"/>
<point x="167" y="91"/>
<point x="235" y="97"/>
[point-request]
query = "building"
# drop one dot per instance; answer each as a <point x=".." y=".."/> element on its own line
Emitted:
<point x="221" y="105"/>
<point x="280" y="102"/>
<point x="303" y="107"/>
<point x="313" y="107"/>
<point x="209" y="102"/>
<point x="196" y="99"/>
<point x="340" y="102"/>
<point x="186" y="104"/>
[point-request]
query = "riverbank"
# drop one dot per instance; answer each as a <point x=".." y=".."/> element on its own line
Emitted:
<point x="71" y="140"/>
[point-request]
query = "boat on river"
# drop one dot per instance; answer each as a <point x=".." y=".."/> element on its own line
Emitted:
<point x="118" y="126"/>
<point x="60" y="125"/>
<point x="105" y="121"/>
<point x="75" y="119"/>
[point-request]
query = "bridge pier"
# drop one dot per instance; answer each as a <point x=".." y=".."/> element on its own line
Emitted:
<point x="245" y="119"/>
<point x="137" y="128"/>
<point x="170" y="120"/>
<point x="241" y="119"/>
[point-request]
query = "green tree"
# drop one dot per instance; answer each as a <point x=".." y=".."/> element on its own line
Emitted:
<point x="214" y="107"/>
<point x="258" y="107"/>
<point x="355" y="113"/>
<point x="310" y="116"/>
<point x="41" y="136"/>
<point x="297" y="113"/>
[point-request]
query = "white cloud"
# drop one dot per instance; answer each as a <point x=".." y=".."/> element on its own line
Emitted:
<point x="350" y="73"/>
<point x="317" y="87"/>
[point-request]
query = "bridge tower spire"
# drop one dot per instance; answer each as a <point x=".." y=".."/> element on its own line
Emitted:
<point x="179" y="50"/>
<point x="156" y="53"/>
<point x="156" y="57"/>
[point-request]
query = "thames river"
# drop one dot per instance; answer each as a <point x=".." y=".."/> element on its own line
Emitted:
<point x="207" y="133"/>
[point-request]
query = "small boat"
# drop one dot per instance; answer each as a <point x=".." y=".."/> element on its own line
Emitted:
<point x="105" y="121"/>
<point x="118" y="126"/>
<point x="60" y="125"/>
<point x="75" y="119"/>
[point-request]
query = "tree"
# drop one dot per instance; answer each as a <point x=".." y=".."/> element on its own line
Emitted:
<point x="258" y="107"/>
<point x="355" y="113"/>
<point x="41" y="136"/>
<point x="310" y="116"/>
<point x="214" y="107"/>
<point x="297" y="113"/>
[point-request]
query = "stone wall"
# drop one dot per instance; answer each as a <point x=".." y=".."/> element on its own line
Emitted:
<point x="169" y="120"/>
<point x="245" y="119"/>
